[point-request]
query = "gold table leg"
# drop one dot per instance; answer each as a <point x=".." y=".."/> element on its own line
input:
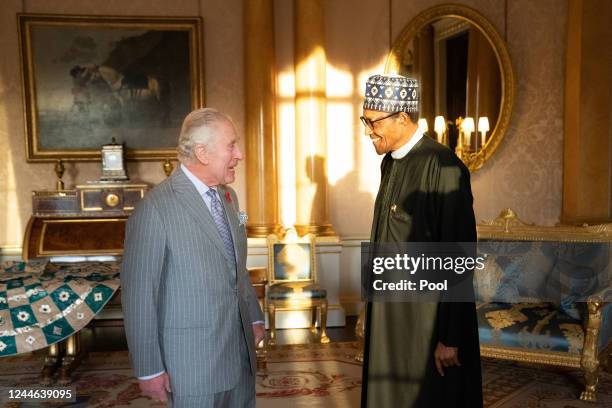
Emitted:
<point x="72" y="359"/>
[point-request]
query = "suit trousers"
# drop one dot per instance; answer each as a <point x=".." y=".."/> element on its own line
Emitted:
<point x="241" y="396"/>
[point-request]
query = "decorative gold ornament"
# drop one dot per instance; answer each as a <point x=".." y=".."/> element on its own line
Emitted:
<point x="59" y="172"/>
<point x="324" y="230"/>
<point x="112" y="200"/>
<point x="168" y="167"/>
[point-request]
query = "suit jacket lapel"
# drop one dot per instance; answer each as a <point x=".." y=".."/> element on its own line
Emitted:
<point x="194" y="203"/>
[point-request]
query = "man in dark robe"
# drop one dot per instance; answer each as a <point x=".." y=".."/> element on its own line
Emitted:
<point x="417" y="354"/>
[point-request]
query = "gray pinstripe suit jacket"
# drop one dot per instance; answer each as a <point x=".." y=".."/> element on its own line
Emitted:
<point x="183" y="306"/>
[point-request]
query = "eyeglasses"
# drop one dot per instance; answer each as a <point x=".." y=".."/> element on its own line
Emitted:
<point x="370" y="123"/>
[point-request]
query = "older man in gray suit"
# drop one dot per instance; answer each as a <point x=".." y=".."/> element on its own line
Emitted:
<point x="191" y="315"/>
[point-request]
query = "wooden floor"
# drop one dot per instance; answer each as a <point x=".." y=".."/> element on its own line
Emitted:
<point x="113" y="338"/>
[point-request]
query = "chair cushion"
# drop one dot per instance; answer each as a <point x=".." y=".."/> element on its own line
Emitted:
<point x="296" y="291"/>
<point x="534" y="326"/>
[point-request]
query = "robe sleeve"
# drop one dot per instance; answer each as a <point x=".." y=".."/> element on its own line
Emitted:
<point x="453" y="205"/>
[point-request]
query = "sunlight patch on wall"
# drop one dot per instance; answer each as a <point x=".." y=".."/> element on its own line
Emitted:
<point x="340" y="153"/>
<point x="348" y="150"/>
<point x="285" y="84"/>
<point x="339" y="83"/>
<point x="310" y="69"/>
<point x="340" y="145"/>
<point x="310" y="98"/>
<point x="286" y="138"/>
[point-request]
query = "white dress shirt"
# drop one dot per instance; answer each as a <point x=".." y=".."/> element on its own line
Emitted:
<point x="405" y="149"/>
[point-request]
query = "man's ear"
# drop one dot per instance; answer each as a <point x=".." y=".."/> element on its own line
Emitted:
<point x="201" y="153"/>
<point x="404" y="118"/>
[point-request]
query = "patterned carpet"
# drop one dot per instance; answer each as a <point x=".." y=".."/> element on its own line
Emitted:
<point x="310" y="376"/>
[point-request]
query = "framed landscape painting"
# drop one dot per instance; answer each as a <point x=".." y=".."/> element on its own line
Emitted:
<point x="87" y="80"/>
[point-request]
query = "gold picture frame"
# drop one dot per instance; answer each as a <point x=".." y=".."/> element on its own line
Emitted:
<point x="87" y="79"/>
<point x="464" y="17"/>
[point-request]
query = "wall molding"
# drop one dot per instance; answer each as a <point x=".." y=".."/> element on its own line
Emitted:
<point x="10" y="250"/>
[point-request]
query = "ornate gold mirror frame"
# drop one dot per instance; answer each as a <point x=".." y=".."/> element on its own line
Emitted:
<point x="473" y="160"/>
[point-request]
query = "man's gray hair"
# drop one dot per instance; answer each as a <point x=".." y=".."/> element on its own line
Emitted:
<point x="199" y="128"/>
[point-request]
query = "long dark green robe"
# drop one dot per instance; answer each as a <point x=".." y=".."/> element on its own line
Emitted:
<point x="423" y="197"/>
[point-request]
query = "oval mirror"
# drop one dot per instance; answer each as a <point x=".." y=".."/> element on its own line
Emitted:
<point x="465" y="77"/>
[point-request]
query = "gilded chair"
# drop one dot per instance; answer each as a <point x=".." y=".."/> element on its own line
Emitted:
<point x="292" y="277"/>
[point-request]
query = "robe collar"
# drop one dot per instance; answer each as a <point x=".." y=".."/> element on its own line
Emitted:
<point x="405" y="149"/>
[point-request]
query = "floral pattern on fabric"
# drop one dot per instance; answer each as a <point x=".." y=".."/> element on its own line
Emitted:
<point x="43" y="303"/>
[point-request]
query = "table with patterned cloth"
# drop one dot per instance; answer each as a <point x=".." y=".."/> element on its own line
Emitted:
<point x="42" y="304"/>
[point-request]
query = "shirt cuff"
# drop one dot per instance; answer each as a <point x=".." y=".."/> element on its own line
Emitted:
<point x="150" y="377"/>
<point x="258" y="322"/>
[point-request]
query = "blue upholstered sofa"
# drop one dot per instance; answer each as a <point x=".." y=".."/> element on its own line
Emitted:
<point x="544" y="295"/>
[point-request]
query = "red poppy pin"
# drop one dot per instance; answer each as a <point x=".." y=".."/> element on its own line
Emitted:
<point x="228" y="197"/>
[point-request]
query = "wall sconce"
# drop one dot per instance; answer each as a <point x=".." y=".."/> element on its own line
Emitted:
<point x="471" y="154"/>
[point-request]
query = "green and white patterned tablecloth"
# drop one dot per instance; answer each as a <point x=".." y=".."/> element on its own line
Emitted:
<point x="44" y="303"/>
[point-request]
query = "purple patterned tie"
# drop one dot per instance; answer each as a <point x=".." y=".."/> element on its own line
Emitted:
<point x="220" y="219"/>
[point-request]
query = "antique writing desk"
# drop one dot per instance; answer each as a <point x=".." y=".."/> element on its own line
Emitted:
<point x="74" y="229"/>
